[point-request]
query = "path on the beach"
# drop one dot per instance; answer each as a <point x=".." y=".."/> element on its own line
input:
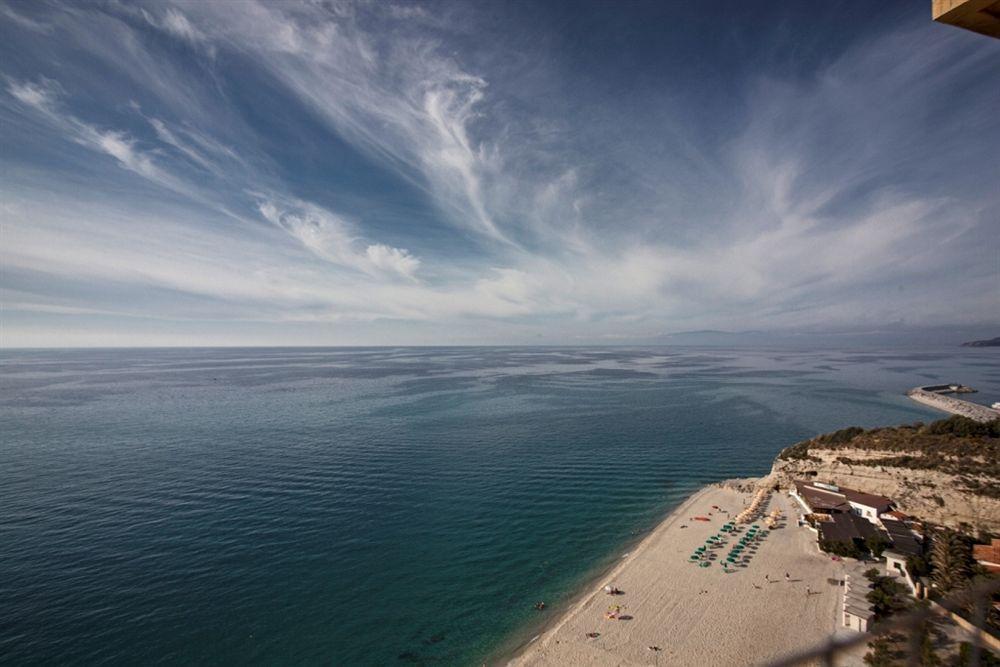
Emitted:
<point x="702" y="616"/>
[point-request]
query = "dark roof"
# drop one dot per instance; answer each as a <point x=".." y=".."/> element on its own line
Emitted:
<point x="903" y="539"/>
<point x="821" y="499"/>
<point x="845" y="527"/>
<point x="826" y="500"/>
<point x="861" y="612"/>
<point x="868" y="499"/>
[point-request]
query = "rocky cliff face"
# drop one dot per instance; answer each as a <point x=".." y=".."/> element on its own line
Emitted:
<point x="947" y="472"/>
<point x="938" y="497"/>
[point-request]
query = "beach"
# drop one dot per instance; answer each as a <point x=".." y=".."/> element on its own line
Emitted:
<point x="672" y="611"/>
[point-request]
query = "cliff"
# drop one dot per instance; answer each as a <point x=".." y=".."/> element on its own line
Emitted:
<point x="947" y="473"/>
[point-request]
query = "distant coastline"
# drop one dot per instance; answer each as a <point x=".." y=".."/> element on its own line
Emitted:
<point x="990" y="342"/>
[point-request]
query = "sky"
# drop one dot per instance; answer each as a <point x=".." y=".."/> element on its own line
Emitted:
<point x="366" y="173"/>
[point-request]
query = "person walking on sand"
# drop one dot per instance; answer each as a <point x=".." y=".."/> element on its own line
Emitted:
<point x="787" y="577"/>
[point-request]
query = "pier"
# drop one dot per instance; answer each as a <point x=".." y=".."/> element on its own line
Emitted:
<point x="936" y="397"/>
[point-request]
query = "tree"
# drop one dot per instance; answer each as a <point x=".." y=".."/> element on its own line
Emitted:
<point x="885" y="651"/>
<point x="928" y="657"/>
<point x="986" y="657"/>
<point x="845" y="549"/>
<point x="887" y="596"/>
<point x="876" y="544"/>
<point x="928" y="632"/>
<point x="917" y="566"/>
<point x="951" y="556"/>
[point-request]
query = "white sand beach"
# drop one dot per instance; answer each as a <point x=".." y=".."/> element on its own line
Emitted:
<point x="701" y="616"/>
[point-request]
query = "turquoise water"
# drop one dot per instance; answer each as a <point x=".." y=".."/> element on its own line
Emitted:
<point x="376" y="506"/>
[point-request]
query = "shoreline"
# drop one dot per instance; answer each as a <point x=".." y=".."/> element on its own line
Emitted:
<point x="593" y="583"/>
<point x="678" y="613"/>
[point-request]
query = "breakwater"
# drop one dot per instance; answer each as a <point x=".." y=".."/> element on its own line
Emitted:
<point x="929" y="396"/>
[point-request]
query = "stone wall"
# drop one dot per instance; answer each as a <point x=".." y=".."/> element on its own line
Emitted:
<point x="955" y="406"/>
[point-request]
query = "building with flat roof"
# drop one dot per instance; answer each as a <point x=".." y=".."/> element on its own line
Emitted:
<point x="845" y="516"/>
<point x="846" y="527"/>
<point x="858" y="611"/>
<point x="820" y="498"/>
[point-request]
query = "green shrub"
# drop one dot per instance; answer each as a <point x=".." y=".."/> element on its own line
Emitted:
<point x="845" y="549"/>
<point x="964" y="427"/>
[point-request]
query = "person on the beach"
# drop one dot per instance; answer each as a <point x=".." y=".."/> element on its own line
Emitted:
<point x="787" y="577"/>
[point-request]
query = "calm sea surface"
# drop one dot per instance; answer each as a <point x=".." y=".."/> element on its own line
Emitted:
<point x="376" y="506"/>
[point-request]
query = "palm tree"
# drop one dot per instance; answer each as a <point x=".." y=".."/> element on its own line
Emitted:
<point x="950" y="555"/>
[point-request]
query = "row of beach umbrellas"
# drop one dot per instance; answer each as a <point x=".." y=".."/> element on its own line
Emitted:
<point x="700" y="553"/>
<point x="758" y="500"/>
<point x="753" y="534"/>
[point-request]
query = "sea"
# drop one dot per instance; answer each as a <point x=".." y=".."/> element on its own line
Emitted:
<point x="378" y="506"/>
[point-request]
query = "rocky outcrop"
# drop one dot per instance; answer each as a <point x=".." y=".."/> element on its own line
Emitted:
<point x="746" y="484"/>
<point x="931" y="495"/>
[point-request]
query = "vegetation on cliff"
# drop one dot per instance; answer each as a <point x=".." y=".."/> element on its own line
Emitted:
<point x="956" y="446"/>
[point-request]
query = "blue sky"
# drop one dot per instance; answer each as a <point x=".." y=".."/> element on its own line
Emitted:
<point x="211" y="173"/>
